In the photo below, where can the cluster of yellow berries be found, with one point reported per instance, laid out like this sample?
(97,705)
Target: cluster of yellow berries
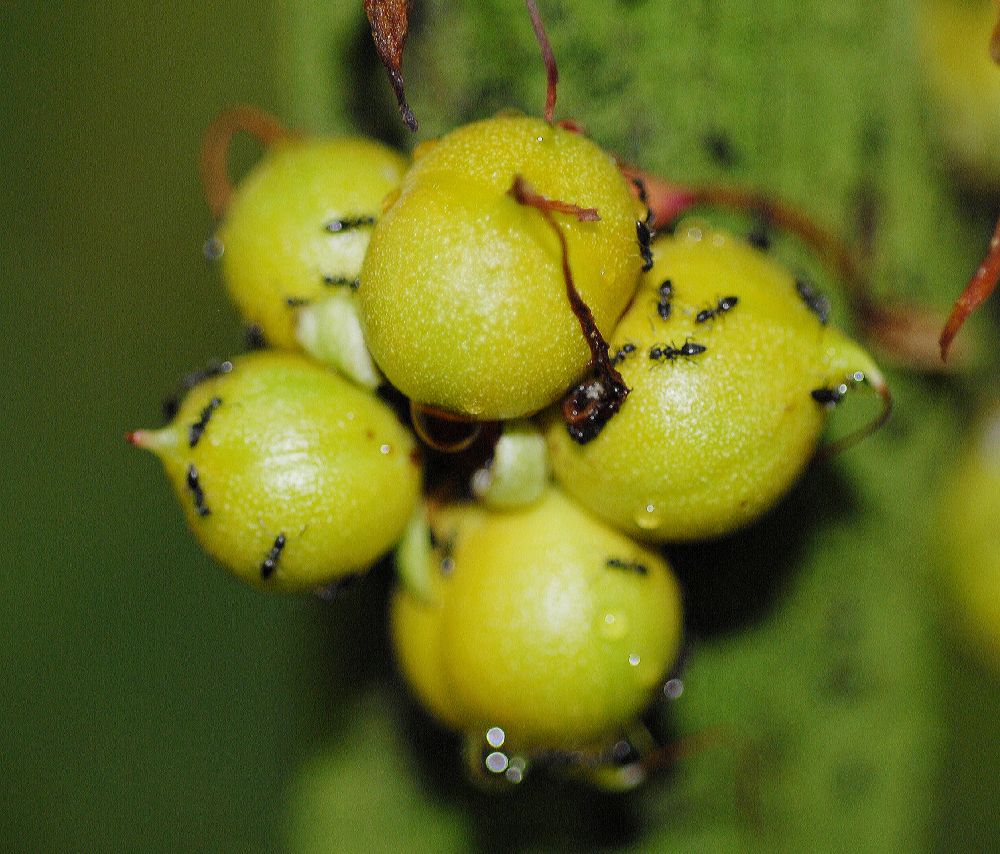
(643,393)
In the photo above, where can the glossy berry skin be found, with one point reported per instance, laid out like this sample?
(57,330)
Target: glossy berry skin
(967,534)
(298,225)
(721,418)
(546,623)
(462,298)
(295,477)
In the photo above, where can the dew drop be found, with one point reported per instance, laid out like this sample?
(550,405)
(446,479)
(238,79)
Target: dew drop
(613,626)
(648,518)
(495,736)
(634,659)
(673,688)
(385,449)
(497,762)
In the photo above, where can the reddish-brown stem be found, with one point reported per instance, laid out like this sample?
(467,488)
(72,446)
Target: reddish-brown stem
(214,161)
(851,439)
(981,285)
(443,431)
(995,40)
(589,405)
(907,332)
(548,57)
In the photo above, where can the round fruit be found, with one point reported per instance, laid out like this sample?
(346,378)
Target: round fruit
(288,475)
(543,627)
(463,298)
(964,83)
(732,368)
(297,228)
(970,518)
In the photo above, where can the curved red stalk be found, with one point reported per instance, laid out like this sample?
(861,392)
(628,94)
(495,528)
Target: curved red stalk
(906,331)
(589,405)
(981,285)
(863,432)
(213,165)
(548,57)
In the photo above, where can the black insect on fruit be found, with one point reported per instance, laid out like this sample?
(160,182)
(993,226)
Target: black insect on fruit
(336,226)
(645,236)
(723,306)
(817,302)
(196,429)
(624,352)
(829,396)
(664,305)
(340,282)
(270,563)
(626,565)
(197,493)
(670,352)
(172,403)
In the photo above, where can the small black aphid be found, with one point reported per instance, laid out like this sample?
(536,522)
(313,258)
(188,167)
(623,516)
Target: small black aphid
(629,565)
(664,306)
(270,563)
(640,187)
(721,307)
(253,337)
(829,396)
(645,236)
(336,226)
(173,403)
(814,299)
(196,429)
(668,352)
(341,282)
(197,493)
(296,302)
(625,351)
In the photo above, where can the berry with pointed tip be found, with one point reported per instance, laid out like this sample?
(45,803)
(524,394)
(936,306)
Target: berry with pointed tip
(722,417)
(290,476)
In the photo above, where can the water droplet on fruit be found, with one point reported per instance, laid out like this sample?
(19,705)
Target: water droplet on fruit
(497,762)
(648,518)
(613,626)
(495,736)
(385,449)
(634,659)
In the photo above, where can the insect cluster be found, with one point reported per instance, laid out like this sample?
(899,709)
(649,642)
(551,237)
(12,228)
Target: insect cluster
(514,305)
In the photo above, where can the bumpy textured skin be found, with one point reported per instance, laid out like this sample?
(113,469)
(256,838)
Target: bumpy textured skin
(295,449)
(964,84)
(705,444)
(533,632)
(970,518)
(275,243)
(462,296)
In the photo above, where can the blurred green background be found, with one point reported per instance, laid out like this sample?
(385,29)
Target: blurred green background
(149,703)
